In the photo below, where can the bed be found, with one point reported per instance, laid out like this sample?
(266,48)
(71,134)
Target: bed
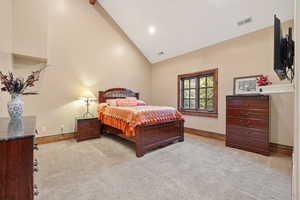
(146,134)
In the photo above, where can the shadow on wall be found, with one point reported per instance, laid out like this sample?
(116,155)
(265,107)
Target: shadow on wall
(111,22)
(279,124)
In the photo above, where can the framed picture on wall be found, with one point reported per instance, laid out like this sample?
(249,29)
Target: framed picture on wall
(245,85)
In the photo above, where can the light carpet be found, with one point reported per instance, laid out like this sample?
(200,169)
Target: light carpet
(197,169)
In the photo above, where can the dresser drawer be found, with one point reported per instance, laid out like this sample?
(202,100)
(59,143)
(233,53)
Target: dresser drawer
(248,123)
(246,133)
(88,124)
(249,144)
(248,113)
(248,103)
(248,139)
(87,129)
(88,133)
(256,148)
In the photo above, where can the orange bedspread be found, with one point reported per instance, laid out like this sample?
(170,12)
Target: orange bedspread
(127,118)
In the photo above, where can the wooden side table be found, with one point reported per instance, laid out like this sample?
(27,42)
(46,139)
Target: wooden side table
(87,128)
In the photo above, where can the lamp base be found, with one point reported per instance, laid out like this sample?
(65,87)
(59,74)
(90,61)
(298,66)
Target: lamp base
(88,115)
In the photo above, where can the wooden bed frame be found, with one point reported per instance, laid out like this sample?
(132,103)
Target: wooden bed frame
(149,136)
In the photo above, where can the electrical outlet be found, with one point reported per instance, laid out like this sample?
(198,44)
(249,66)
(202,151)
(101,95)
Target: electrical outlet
(62,127)
(44,129)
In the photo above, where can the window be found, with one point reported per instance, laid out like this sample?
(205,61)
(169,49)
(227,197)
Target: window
(198,93)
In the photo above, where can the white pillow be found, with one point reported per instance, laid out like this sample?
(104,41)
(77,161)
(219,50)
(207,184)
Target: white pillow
(111,102)
(134,98)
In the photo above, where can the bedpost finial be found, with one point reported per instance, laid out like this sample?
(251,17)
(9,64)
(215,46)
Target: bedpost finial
(93,2)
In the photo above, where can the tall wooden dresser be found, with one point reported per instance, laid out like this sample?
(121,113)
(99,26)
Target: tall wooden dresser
(247,123)
(17,163)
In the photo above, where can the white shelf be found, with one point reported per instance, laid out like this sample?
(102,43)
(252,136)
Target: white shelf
(277,89)
(29,58)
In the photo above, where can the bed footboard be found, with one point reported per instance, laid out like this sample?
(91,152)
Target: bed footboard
(156,135)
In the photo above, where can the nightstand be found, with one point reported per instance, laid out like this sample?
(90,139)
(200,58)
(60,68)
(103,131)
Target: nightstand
(87,128)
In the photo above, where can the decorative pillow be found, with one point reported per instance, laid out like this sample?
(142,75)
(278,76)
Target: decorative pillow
(132,98)
(112,102)
(127,102)
(141,103)
(101,106)
(132,101)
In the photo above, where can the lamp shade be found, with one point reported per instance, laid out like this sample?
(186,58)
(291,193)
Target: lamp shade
(87,95)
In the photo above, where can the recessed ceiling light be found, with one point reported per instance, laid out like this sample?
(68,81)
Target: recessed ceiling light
(151,30)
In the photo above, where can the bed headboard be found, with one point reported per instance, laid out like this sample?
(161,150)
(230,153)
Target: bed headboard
(116,93)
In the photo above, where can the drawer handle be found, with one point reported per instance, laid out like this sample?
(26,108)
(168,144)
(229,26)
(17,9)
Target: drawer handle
(35,190)
(35,163)
(35,147)
(245,123)
(36,169)
(244,113)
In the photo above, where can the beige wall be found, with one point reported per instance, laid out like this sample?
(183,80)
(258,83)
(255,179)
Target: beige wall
(30,27)
(5,34)
(86,51)
(5,44)
(250,54)
(5,31)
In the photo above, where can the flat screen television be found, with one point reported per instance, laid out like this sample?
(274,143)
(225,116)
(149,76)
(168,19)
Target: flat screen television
(283,52)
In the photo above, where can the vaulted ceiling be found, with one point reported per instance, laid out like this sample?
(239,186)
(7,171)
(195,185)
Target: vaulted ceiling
(162,29)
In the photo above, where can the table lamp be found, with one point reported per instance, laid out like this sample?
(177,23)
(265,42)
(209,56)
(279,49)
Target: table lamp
(88,101)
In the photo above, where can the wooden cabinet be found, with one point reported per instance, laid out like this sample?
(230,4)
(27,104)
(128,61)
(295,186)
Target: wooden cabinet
(247,123)
(17,164)
(16,169)
(87,129)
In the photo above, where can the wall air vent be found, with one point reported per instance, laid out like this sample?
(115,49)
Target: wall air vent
(160,53)
(244,21)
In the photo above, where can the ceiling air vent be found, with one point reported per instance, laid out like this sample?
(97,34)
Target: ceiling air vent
(244,21)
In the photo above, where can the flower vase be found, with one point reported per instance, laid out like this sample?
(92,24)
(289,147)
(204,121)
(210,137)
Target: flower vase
(15,107)
(15,127)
